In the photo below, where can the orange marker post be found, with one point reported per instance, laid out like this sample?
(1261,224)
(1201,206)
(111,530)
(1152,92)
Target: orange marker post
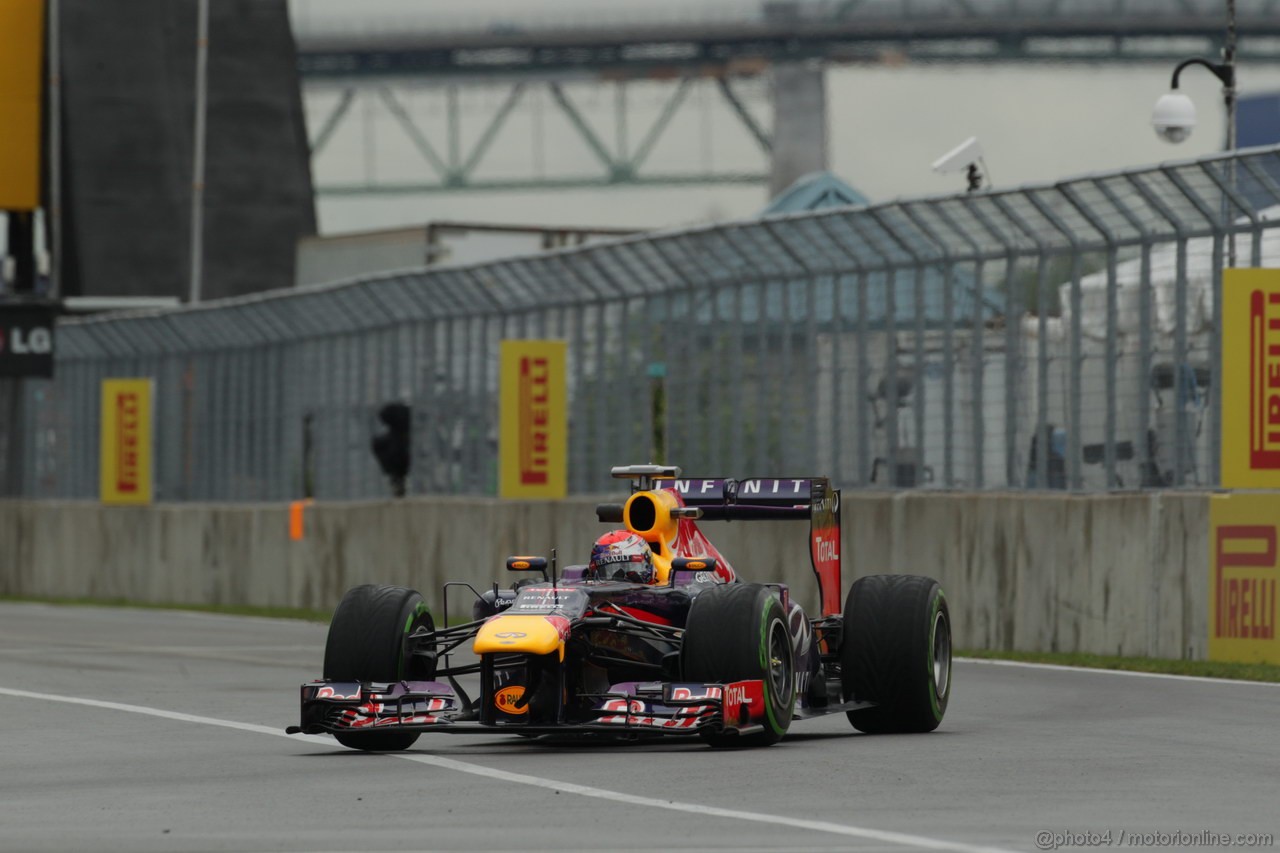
(297,525)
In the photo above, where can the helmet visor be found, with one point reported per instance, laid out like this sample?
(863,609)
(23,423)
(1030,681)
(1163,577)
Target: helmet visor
(636,568)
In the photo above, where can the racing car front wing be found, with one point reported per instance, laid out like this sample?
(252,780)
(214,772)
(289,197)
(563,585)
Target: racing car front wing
(657,708)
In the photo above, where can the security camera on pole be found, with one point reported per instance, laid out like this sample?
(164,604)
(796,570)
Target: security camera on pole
(1174,116)
(966,158)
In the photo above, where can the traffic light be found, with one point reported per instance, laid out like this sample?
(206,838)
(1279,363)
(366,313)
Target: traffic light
(394,447)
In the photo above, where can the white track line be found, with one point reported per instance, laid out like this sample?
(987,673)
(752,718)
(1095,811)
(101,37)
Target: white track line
(1092,669)
(899,838)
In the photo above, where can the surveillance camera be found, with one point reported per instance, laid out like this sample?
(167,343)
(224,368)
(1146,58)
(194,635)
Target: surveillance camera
(1174,117)
(959,158)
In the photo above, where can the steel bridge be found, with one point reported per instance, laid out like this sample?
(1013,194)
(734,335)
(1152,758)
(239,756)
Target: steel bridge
(712,55)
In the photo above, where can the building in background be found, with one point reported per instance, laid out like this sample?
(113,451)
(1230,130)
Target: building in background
(337,257)
(1258,123)
(127,98)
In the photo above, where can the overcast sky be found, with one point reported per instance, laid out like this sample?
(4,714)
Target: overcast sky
(887,125)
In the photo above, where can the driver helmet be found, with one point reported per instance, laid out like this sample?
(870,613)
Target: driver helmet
(621,555)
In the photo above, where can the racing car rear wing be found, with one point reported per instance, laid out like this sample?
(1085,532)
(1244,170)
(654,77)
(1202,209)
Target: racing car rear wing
(763,499)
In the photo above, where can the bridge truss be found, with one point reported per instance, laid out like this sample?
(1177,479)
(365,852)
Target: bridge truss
(471,137)
(709,73)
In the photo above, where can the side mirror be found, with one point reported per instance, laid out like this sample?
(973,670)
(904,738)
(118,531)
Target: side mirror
(609,513)
(691,564)
(528,564)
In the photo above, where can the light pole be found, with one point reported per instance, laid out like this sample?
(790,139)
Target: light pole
(198,152)
(54,149)
(1174,115)
(1173,119)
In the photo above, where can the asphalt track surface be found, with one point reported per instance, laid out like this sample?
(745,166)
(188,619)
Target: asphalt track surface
(139,730)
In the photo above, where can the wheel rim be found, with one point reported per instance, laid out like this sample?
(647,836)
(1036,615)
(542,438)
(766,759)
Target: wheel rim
(941,654)
(779,660)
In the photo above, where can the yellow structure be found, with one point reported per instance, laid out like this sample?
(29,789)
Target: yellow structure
(126,441)
(21,63)
(1244,572)
(1251,379)
(516,632)
(533,417)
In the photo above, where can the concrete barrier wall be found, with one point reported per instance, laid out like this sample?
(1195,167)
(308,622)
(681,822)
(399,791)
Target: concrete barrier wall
(1112,574)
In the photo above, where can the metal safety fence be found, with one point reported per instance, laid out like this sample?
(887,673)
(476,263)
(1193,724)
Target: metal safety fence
(1056,336)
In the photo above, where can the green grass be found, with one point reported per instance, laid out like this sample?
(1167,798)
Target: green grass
(299,613)
(228,609)
(1198,668)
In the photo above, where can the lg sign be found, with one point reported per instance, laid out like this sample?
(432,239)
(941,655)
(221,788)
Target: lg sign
(38,341)
(26,340)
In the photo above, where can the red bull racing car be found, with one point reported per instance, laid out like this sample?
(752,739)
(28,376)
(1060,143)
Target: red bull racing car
(663,640)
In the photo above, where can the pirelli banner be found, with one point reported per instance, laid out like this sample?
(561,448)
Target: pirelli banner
(1251,379)
(126,441)
(534,423)
(1244,572)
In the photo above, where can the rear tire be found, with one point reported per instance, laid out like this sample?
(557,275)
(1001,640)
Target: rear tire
(738,632)
(897,652)
(368,641)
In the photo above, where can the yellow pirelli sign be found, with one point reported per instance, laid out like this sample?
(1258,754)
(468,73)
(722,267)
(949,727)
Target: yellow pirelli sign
(534,423)
(126,441)
(21,63)
(1244,572)
(1251,379)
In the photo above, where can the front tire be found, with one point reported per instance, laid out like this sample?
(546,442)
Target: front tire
(897,652)
(369,641)
(738,632)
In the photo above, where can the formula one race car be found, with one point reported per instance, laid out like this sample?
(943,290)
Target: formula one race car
(687,649)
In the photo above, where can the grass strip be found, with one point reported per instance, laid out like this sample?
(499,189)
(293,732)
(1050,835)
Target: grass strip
(1197,668)
(298,613)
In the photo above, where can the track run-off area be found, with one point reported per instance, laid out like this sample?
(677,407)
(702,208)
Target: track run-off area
(142,730)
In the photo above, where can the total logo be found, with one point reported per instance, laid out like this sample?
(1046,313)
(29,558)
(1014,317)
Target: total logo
(37,341)
(826,548)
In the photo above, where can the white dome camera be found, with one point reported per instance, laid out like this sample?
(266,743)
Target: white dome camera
(1174,117)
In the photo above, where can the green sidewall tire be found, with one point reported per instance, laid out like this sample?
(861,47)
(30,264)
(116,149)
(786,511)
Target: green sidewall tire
(738,632)
(897,652)
(368,641)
